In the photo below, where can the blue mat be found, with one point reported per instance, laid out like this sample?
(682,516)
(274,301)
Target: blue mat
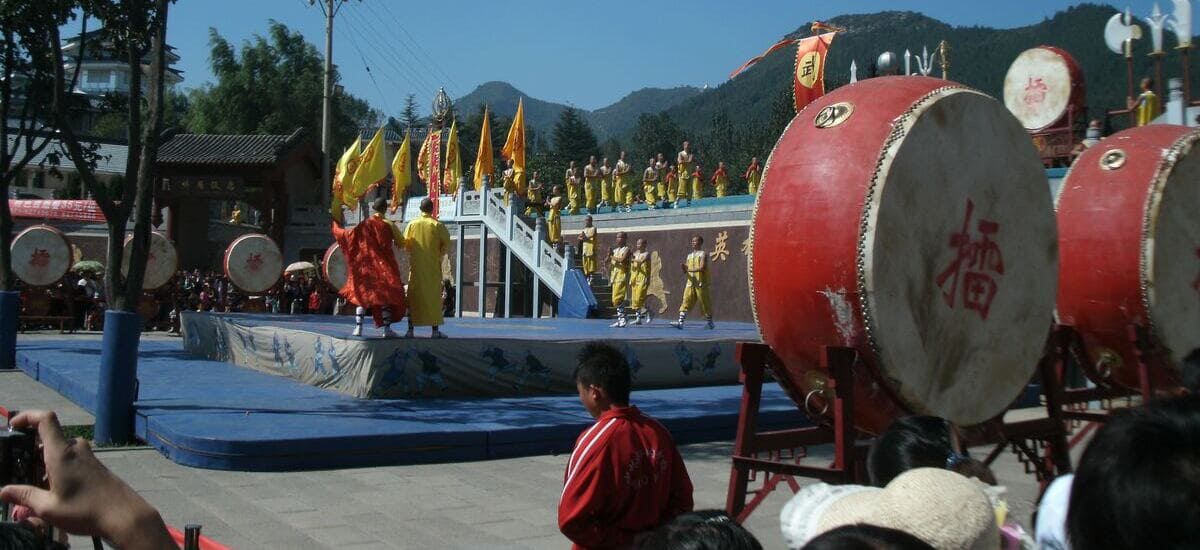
(215,415)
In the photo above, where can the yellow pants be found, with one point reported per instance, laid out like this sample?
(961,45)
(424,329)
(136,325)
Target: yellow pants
(589,191)
(683,191)
(553,228)
(721,189)
(639,295)
(649,190)
(605,191)
(697,189)
(662,190)
(753,187)
(690,294)
(620,289)
(573,199)
(589,264)
(670,192)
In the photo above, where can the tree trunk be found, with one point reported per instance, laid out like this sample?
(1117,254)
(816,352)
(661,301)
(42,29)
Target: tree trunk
(112,273)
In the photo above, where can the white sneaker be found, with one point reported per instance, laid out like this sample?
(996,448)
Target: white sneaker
(677,324)
(617,324)
(637,320)
(357,331)
(386,332)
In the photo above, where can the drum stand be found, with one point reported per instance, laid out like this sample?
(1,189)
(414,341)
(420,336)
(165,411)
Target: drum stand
(777,455)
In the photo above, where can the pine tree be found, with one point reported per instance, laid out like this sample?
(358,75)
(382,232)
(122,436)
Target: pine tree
(409,116)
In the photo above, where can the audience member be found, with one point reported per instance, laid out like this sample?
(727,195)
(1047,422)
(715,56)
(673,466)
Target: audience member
(625,475)
(921,442)
(862,536)
(1138,482)
(699,530)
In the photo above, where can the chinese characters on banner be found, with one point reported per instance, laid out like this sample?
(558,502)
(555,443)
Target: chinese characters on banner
(75,210)
(435,169)
(977,263)
(809,81)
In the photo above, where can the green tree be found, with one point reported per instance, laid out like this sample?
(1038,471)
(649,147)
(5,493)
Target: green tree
(409,117)
(655,134)
(574,138)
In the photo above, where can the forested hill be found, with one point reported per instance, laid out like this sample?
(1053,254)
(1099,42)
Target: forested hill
(979,57)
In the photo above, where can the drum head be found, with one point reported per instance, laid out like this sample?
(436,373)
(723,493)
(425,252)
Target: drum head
(1171,252)
(40,255)
(161,265)
(1038,88)
(958,256)
(253,263)
(334,266)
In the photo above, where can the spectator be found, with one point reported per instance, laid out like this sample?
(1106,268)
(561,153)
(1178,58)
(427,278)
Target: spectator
(866,537)
(1138,483)
(700,530)
(598,506)
(921,442)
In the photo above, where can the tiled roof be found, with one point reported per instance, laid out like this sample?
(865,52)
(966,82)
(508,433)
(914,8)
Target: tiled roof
(227,150)
(112,156)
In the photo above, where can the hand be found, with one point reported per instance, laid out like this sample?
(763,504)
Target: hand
(85,498)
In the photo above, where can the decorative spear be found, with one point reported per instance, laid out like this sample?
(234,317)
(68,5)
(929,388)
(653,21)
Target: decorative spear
(1181,23)
(943,52)
(1157,21)
(853,72)
(907,62)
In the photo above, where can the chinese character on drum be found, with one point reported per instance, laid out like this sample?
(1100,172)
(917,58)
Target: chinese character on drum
(976,263)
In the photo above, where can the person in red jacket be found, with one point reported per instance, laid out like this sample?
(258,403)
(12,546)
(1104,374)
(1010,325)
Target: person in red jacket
(372,274)
(625,475)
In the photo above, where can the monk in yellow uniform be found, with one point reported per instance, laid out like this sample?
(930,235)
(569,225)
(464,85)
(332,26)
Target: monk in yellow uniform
(587,246)
(684,161)
(1146,105)
(621,182)
(573,191)
(426,240)
(684,188)
(753,176)
(535,202)
(649,180)
(697,185)
(696,269)
(720,180)
(554,208)
(660,166)
(591,184)
(671,179)
(618,260)
(605,184)
(639,266)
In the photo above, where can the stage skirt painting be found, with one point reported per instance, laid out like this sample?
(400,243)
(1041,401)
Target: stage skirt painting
(412,368)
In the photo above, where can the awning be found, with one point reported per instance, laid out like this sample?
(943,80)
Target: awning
(74,210)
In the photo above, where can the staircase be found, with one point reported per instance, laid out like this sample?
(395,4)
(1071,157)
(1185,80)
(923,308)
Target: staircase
(602,291)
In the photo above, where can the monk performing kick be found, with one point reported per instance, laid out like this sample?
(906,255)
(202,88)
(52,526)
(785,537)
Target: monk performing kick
(372,275)
(426,240)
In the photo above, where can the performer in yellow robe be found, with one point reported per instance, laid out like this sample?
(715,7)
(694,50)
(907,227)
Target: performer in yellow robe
(1146,104)
(696,269)
(426,240)
(671,179)
(640,281)
(587,241)
(573,191)
(660,166)
(720,179)
(753,176)
(697,185)
(621,183)
(534,202)
(684,161)
(618,260)
(554,216)
(649,177)
(684,185)
(509,181)
(591,184)
(605,184)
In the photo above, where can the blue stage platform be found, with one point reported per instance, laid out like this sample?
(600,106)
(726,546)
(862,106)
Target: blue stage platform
(215,415)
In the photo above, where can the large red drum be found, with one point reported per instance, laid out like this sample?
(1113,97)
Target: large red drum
(1129,239)
(1044,85)
(253,263)
(908,218)
(40,255)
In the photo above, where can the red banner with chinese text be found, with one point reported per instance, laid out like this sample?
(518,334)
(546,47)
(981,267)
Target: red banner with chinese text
(435,169)
(808,82)
(73,210)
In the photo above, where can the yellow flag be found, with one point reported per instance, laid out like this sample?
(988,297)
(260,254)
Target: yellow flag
(514,146)
(401,172)
(483,159)
(372,169)
(345,170)
(423,159)
(453,166)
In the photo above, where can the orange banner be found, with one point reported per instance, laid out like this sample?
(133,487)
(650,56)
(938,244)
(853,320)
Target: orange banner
(808,81)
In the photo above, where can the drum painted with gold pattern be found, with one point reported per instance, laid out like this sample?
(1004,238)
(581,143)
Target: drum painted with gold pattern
(1042,86)
(1129,239)
(161,264)
(41,255)
(253,263)
(906,218)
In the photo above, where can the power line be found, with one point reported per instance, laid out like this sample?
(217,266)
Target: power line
(419,57)
(363,57)
(415,78)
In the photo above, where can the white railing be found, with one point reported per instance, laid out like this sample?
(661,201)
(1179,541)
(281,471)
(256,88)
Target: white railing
(527,244)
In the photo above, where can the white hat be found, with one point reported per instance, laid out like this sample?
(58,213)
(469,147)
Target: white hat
(940,507)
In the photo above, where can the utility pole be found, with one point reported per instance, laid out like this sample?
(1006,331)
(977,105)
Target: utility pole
(327,104)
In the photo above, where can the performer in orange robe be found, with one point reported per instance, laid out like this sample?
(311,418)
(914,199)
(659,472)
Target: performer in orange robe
(372,275)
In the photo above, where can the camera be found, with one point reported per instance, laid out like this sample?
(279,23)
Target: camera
(20,461)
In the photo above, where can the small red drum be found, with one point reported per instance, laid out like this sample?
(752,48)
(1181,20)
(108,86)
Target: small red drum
(161,265)
(334,266)
(253,263)
(907,218)
(41,255)
(1129,242)
(1042,85)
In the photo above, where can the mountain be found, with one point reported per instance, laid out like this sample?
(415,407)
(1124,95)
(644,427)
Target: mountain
(540,116)
(979,57)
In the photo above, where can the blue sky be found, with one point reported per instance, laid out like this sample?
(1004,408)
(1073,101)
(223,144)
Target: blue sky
(588,54)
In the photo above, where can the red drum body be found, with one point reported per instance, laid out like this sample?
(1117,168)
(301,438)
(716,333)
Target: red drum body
(253,263)
(334,267)
(161,265)
(1042,86)
(41,255)
(907,218)
(1129,239)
